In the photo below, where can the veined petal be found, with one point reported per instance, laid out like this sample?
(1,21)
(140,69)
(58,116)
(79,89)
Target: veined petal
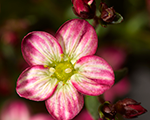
(65,103)
(95,68)
(77,38)
(41,48)
(94,75)
(35,83)
(87,86)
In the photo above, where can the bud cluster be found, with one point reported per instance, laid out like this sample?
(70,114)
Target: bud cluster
(127,107)
(86,9)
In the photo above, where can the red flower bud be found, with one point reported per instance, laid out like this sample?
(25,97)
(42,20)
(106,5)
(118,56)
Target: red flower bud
(108,111)
(129,108)
(107,14)
(84,8)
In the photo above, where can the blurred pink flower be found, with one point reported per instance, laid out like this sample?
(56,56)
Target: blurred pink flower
(116,57)
(118,90)
(148,5)
(18,110)
(5,84)
(11,30)
(63,68)
(84,115)
(41,116)
(10,37)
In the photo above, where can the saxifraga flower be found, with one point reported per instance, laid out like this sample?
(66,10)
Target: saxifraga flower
(63,68)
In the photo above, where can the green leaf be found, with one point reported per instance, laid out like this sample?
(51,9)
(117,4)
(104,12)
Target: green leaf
(118,18)
(102,23)
(119,74)
(92,104)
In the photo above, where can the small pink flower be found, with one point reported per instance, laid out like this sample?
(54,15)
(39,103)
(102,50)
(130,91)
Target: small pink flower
(63,68)
(41,116)
(5,84)
(118,90)
(114,55)
(18,110)
(84,115)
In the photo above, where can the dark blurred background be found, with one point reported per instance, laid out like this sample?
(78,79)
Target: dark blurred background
(131,37)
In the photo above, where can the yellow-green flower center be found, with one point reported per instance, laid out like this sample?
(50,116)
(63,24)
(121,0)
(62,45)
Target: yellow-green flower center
(62,71)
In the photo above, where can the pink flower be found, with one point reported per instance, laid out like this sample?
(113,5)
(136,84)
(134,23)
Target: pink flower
(114,55)
(6,86)
(18,110)
(118,90)
(63,68)
(84,115)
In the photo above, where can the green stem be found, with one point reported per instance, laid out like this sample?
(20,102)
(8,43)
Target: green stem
(95,22)
(101,99)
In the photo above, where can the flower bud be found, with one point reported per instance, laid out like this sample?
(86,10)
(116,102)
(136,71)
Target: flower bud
(129,108)
(107,111)
(107,14)
(84,8)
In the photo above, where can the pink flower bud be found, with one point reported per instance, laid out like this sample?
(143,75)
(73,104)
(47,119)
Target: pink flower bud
(84,8)
(129,108)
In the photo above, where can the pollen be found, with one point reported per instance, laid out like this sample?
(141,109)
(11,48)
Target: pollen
(52,70)
(90,2)
(63,71)
(68,70)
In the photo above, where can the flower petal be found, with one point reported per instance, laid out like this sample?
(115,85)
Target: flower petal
(95,68)
(41,48)
(36,83)
(65,103)
(87,86)
(94,75)
(77,38)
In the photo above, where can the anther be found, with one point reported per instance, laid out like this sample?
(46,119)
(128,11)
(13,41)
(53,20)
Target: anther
(52,70)
(68,70)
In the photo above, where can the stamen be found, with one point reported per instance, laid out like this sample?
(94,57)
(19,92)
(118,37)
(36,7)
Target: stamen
(90,2)
(68,70)
(45,66)
(52,70)
(62,57)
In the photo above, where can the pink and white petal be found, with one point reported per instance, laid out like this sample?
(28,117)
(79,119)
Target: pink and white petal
(41,116)
(65,103)
(40,48)
(77,38)
(36,83)
(96,69)
(14,110)
(87,86)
